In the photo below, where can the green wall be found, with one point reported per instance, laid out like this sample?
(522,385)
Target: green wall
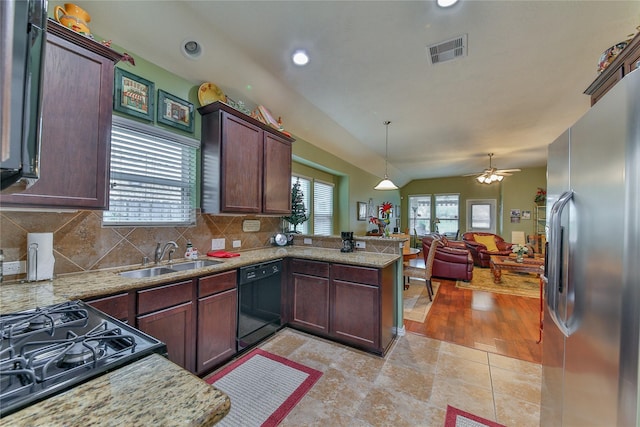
(514,192)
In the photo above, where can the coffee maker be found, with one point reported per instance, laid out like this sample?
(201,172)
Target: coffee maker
(347,241)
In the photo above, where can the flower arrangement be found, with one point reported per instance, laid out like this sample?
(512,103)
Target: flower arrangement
(519,250)
(541,195)
(383,222)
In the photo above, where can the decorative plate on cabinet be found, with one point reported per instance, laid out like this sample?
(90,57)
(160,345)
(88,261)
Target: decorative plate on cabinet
(208,93)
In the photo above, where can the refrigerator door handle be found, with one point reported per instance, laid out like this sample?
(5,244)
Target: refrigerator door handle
(553,272)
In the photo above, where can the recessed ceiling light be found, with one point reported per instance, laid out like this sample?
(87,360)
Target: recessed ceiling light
(446,3)
(300,57)
(191,49)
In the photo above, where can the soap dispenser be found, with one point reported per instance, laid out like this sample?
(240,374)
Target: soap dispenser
(189,251)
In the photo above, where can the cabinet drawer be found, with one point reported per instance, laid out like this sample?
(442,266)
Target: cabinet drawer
(210,285)
(116,305)
(312,268)
(351,273)
(164,296)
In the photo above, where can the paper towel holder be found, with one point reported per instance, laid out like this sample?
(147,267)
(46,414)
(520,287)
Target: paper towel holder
(32,263)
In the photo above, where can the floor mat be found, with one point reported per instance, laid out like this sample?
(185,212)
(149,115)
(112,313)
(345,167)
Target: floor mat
(458,418)
(263,388)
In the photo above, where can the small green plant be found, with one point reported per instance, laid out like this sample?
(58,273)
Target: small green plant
(298,210)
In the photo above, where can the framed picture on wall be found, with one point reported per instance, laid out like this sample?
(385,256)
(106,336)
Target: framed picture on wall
(133,95)
(175,112)
(362,211)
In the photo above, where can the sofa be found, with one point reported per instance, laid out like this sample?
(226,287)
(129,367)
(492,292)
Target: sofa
(477,243)
(452,259)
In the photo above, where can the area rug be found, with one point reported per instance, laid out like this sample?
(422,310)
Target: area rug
(416,304)
(522,284)
(457,418)
(263,388)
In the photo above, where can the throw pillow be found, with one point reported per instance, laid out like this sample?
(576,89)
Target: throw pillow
(488,241)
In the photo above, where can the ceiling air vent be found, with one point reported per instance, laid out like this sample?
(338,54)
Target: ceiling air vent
(448,50)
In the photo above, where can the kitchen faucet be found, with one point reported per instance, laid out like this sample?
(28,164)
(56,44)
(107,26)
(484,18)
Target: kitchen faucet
(160,250)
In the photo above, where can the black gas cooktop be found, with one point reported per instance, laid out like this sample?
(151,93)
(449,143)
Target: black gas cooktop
(47,350)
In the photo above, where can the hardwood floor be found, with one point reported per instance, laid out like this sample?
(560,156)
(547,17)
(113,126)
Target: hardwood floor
(496,323)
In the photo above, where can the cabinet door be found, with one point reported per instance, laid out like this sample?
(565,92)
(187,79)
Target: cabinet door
(216,329)
(277,175)
(174,327)
(310,302)
(76,130)
(241,166)
(356,313)
(116,306)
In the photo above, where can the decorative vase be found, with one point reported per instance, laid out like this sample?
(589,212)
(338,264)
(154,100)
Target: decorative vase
(73,17)
(519,257)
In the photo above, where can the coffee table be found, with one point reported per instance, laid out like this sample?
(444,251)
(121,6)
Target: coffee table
(499,264)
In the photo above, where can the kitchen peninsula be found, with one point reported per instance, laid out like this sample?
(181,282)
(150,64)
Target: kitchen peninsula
(139,390)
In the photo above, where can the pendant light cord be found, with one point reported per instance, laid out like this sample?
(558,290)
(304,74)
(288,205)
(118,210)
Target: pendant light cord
(386,149)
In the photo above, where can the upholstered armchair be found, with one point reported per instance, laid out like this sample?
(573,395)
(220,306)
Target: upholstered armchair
(483,245)
(452,259)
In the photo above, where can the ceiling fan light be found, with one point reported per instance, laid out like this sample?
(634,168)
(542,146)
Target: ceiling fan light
(480,179)
(500,177)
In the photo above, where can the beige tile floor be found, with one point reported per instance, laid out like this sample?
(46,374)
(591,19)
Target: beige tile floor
(411,385)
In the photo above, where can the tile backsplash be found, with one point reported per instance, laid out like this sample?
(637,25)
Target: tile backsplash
(81,243)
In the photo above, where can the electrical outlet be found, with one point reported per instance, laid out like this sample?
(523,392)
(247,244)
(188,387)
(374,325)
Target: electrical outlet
(308,241)
(13,268)
(360,245)
(217,244)
(237,243)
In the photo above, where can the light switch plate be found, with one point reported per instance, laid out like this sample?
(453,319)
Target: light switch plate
(308,241)
(217,244)
(360,245)
(237,243)
(13,267)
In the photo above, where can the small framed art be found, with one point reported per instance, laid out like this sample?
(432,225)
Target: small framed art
(363,208)
(134,95)
(175,112)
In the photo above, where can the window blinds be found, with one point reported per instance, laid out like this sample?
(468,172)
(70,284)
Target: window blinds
(322,208)
(153,176)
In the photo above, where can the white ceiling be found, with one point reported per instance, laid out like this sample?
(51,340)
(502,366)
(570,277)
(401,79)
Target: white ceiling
(518,88)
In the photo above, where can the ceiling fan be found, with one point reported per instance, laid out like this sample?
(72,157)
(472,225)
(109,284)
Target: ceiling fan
(492,174)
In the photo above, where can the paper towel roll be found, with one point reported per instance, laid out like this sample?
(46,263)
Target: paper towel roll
(40,267)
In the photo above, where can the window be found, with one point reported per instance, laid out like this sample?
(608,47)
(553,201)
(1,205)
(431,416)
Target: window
(322,208)
(319,204)
(447,211)
(481,215)
(153,176)
(305,187)
(420,214)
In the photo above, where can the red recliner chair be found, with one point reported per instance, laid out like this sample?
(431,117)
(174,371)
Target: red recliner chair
(479,251)
(452,260)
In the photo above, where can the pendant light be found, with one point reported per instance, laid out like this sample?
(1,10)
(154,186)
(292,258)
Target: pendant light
(386,183)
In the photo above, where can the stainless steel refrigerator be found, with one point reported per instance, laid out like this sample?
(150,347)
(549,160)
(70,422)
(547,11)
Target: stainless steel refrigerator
(592,272)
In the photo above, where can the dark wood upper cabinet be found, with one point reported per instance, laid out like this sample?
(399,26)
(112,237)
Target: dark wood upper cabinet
(246,165)
(77,103)
(625,62)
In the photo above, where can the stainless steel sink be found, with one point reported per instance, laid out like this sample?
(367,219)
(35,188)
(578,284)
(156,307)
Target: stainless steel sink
(192,265)
(147,272)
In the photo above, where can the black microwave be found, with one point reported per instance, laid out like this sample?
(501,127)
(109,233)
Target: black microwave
(23,37)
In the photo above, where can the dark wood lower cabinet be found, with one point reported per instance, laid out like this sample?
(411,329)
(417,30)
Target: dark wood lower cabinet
(167,313)
(217,320)
(116,306)
(174,327)
(310,302)
(356,313)
(347,303)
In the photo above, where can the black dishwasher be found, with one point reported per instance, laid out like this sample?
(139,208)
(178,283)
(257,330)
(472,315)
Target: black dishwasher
(260,296)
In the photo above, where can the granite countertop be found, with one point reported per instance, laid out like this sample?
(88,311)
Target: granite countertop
(22,296)
(150,392)
(137,394)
